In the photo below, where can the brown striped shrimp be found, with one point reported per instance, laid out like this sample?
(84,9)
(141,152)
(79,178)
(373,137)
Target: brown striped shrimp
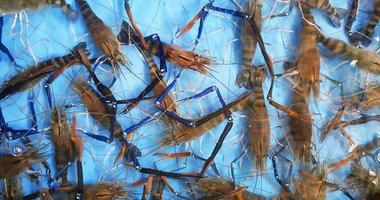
(308,59)
(102,34)
(33,75)
(356,154)
(100,111)
(221,188)
(364,101)
(185,133)
(249,42)
(365,181)
(60,135)
(366,60)
(300,131)
(258,127)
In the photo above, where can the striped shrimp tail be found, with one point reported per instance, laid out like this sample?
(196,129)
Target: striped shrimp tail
(88,15)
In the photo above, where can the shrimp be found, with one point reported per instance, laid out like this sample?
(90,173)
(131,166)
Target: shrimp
(308,59)
(101,112)
(60,137)
(185,133)
(366,60)
(11,166)
(221,188)
(154,186)
(365,182)
(104,191)
(172,53)
(300,131)
(258,126)
(364,101)
(15,6)
(312,184)
(98,191)
(33,75)
(102,34)
(358,152)
(335,14)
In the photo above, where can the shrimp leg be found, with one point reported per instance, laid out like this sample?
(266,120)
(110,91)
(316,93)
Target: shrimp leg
(13,134)
(77,144)
(3,48)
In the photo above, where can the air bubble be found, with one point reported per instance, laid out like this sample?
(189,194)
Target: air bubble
(377,157)
(17,151)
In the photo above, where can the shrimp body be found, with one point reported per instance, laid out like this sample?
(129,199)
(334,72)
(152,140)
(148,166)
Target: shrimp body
(300,131)
(312,185)
(365,60)
(364,101)
(220,188)
(102,34)
(249,42)
(258,119)
(184,133)
(33,75)
(98,191)
(181,57)
(60,136)
(98,109)
(308,59)
(364,181)
(104,191)
(15,6)
(102,112)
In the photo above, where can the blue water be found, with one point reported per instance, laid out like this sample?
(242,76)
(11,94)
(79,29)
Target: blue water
(36,36)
